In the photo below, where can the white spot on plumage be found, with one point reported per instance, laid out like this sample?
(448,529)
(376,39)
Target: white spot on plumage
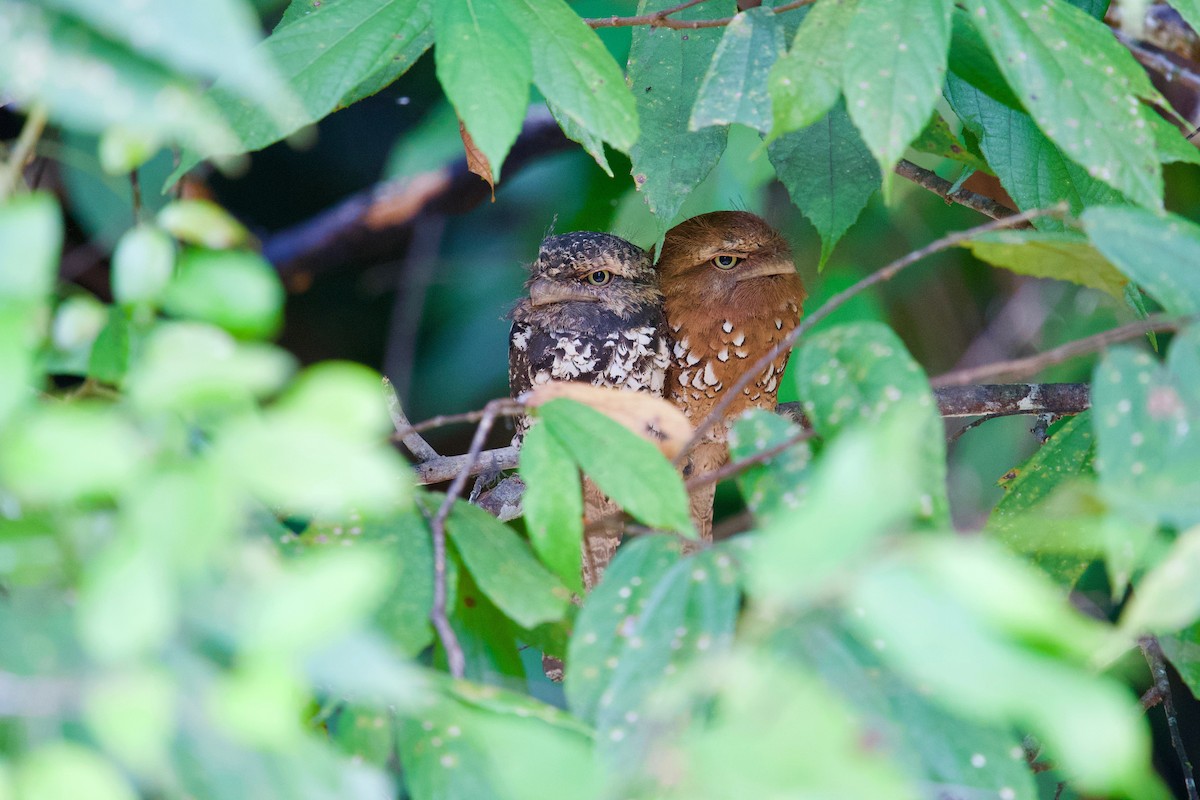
(740,339)
(723,354)
(710,377)
(727,326)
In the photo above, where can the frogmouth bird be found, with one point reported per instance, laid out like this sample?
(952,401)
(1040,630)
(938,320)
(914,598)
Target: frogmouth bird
(731,294)
(594,314)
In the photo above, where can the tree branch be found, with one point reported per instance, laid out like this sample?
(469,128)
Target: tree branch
(941,187)
(22,151)
(1162,686)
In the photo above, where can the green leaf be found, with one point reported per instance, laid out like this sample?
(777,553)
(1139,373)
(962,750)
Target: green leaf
(134,93)
(894,70)
(1168,597)
(142,265)
(132,714)
(735,86)
(202,222)
(937,139)
(31,227)
(61,769)
(1031,168)
(1081,86)
(776,486)
(1183,651)
(829,174)
(626,467)
(575,72)
(485,66)
(553,505)
(806,82)
(666,68)
(1066,256)
(128,606)
(237,290)
(1155,251)
(504,568)
(972,63)
(858,374)
(593,145)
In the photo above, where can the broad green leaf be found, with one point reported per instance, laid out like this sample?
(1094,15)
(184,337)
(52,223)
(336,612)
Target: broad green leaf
(893,72)
(490,641)
(828,172)
(1168,597)
(1063,255)
(329,57)
(1183,651)
(237,290)
(629,582)
(88,82)
(860,373)
(661,624)
(484,65)
(806,82)
(1081,86)
(553,505)
(1031,168)
(504,567)
(31,228)
(592,144)
(941,751)
(364,732)
(1155,251)
(1148,443)
(142,265)
(937,139)
(735,86)
(665,70)
(997,657)
(61,769)
(776,486)
(626,467)
(576,74)
(971,62)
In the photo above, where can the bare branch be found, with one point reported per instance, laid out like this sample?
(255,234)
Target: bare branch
(444,468)
(1157,662)
(413,440)
(941,187)
(22,151)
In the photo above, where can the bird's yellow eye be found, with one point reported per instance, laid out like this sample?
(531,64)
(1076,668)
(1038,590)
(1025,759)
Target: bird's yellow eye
(725,262)
(600,277)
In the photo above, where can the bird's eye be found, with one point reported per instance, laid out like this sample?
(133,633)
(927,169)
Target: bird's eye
(600,277)
(725,262)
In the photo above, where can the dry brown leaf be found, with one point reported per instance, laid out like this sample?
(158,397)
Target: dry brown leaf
(650,417)
(477,162)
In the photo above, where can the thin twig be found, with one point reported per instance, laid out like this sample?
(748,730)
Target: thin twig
(135,188)
(415,443)
(22,151)
(838,300)
(927,179)
(1157,662)
(1031,365)
(437,526)
(737,467)
(504,407)
(662,19)
(975,423)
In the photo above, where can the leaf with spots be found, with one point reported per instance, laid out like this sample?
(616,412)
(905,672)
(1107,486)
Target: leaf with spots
(626,467)
(504,568)
(1168,596)
(665,70)
(1031,168)
(893,72)
(859,374)
(806,82)
(553,504)
(1081,86)
(828,172)
(774,487)
(1156,251)
(735,86)
(1063,255)
(364,733)
(485,66)
(1147,421)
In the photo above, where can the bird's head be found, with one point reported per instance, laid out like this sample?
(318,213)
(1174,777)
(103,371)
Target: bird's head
(589,267)
(729,258)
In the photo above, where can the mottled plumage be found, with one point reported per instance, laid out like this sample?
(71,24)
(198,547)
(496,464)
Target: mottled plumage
(593,315)
(731,293)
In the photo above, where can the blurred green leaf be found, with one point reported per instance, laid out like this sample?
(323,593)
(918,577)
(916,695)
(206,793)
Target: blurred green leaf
(1153,250)
(202,222)
(61,770)
(484,65)
(893,72)
(128,606)
(735,85)
(777,486)
(861,373)
(109,358)
(432,143)
(142,265)
(1049,254)
(575,72)
(132,713)
(365,733)
(626,467)
(553,505)
(259,703)
(1168,596)
(1081,86)
(829,174)
(341,396)
(237,290)
(31,227)
(665,70)
(504,567)
(806,83)
(184,515)
(1011,142)
(1182,649)
(77,322)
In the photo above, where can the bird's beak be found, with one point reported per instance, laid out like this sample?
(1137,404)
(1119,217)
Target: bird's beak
(544,291)
(764,268)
